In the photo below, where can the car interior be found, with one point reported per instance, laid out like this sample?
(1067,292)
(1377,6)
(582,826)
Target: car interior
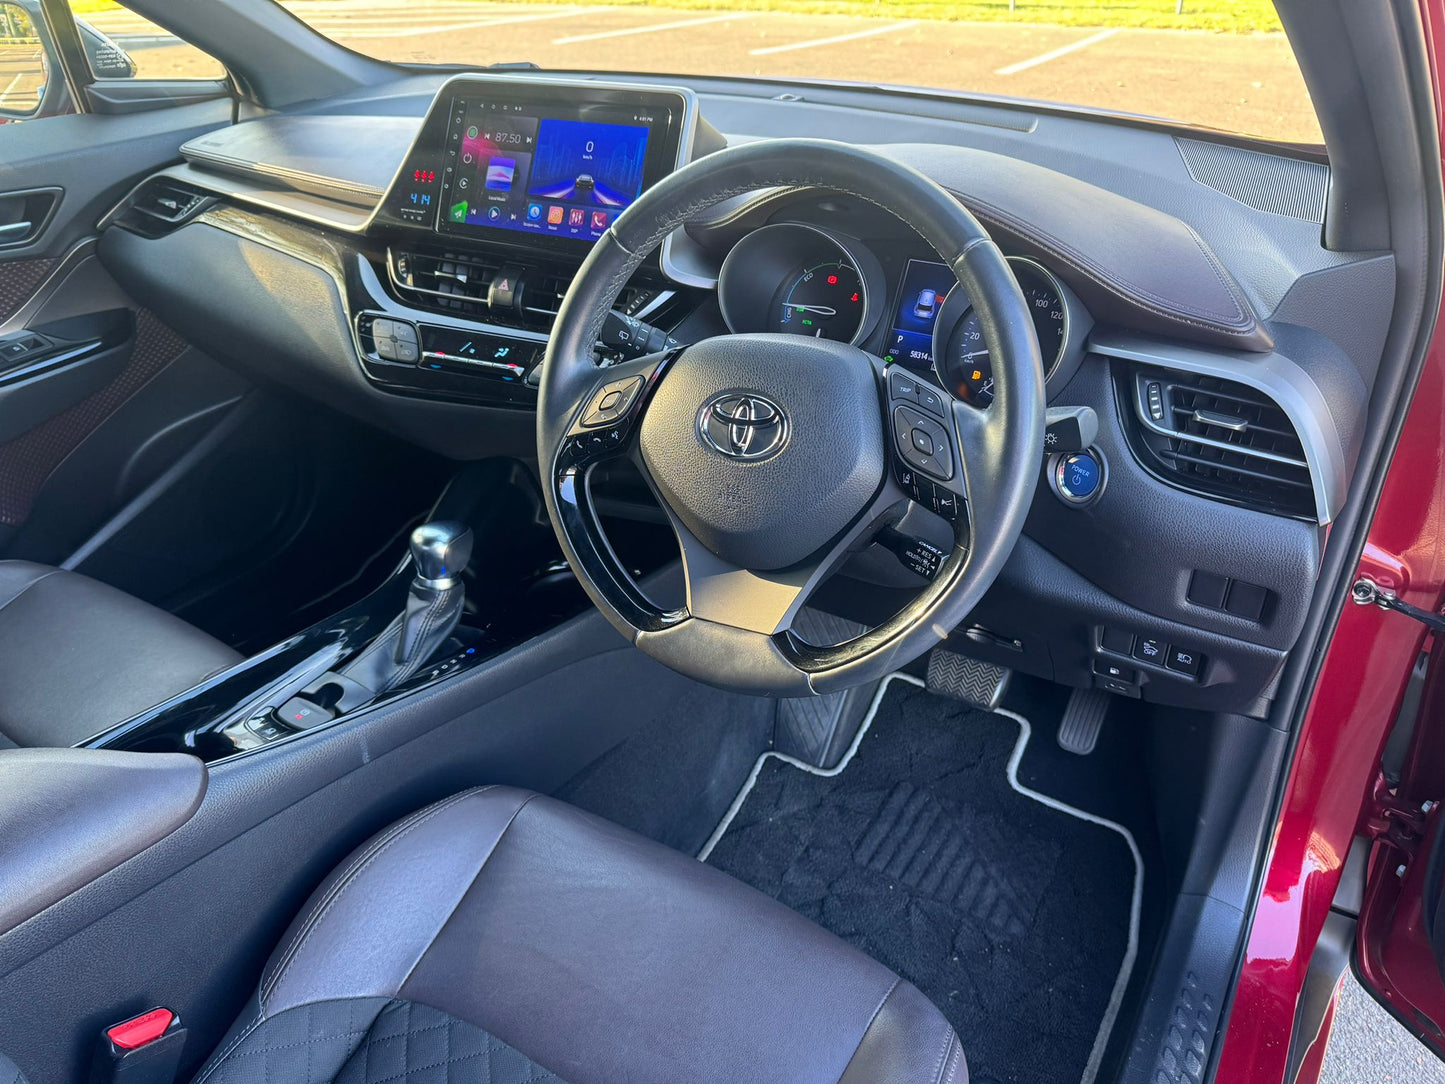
(765,581)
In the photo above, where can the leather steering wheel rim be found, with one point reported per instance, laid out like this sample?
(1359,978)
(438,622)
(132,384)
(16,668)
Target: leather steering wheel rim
(999,448)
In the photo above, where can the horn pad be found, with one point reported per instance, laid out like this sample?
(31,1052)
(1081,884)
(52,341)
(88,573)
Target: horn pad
(766,446)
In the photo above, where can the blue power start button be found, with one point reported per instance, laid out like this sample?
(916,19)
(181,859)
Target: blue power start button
(1078,477)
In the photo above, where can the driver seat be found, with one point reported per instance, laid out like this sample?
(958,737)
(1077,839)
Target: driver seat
(500,936)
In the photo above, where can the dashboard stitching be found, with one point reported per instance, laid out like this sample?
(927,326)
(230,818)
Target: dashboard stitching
(1124,290)
(1242,325)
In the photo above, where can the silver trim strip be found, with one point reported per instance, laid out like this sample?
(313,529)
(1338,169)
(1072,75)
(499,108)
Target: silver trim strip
(78,253)
(474,363)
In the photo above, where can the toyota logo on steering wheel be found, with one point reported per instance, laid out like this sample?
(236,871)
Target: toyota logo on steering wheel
(743,425)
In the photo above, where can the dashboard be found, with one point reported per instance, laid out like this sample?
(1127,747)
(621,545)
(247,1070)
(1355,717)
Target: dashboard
(400,255)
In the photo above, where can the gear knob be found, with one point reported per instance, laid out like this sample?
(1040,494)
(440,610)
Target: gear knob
(441,552)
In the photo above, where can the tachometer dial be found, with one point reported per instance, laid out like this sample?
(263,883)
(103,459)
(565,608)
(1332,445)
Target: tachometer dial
(824,301)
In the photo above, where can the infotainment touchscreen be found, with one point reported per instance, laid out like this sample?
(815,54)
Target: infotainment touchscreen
(559,164)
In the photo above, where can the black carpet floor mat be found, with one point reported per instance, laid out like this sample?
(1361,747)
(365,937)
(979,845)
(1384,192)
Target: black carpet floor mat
(1012,916)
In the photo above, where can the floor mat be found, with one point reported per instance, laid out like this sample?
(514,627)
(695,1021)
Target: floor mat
(1015,914)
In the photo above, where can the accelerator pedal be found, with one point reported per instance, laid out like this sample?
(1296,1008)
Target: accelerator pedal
(1082,721)
(981,684)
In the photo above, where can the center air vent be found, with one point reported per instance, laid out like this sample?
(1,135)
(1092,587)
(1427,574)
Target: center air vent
(1222,439)
(487,287)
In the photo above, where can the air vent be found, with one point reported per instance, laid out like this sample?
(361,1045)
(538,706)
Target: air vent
(448,282)
(162,204)
(461,283)
(168,201)
(1222,439)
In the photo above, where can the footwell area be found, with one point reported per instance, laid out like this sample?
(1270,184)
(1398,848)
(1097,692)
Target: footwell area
(1017,915)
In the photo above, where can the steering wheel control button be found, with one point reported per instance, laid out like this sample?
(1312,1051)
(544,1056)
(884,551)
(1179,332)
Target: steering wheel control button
(922,442)
(946,503)
(611,401)
(1077,477)
(1183,660)
(598,442)
(1147,649)
(931,401)
(902,386)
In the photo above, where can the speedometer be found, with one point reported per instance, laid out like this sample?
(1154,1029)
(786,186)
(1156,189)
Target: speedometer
(824,301)
(964,362)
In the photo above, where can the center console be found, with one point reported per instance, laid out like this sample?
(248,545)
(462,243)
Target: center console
(506,187)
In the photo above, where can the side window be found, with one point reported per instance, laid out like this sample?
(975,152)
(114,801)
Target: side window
(24,68)
(123,45)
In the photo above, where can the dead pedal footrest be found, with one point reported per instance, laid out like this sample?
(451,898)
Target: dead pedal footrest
(981,684)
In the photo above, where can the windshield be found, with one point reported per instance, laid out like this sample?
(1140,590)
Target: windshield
(1217,63)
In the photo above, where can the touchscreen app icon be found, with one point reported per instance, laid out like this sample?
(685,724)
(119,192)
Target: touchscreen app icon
(534,212)
(500,172)
(599,220)
(459,211)
(554,215)
(576,216)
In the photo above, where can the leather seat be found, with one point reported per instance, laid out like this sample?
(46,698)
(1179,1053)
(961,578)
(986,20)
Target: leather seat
(500,936)
(77,657)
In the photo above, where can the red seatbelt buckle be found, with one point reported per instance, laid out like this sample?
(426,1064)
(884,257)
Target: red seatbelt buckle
(145,1049)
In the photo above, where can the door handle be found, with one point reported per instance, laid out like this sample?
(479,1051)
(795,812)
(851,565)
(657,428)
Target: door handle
(25,214)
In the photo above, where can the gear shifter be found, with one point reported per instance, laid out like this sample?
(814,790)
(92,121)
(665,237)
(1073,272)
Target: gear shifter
(440,552)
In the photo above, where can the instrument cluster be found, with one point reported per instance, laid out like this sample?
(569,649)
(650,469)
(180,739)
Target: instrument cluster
(802,279)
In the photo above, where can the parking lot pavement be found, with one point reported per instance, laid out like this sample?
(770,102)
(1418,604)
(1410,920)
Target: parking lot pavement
(1236,82)
(1367,1046)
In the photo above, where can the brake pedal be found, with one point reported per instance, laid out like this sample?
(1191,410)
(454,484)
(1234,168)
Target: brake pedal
(1082,721)
(981,684)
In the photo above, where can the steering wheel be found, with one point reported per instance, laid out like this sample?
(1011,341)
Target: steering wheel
(777,456)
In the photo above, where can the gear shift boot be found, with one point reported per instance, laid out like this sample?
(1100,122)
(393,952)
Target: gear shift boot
(433,608)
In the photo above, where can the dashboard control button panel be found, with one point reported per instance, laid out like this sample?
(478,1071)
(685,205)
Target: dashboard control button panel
(450,362)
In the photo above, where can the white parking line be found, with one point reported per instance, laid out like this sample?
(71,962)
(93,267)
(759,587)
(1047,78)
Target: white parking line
(1054,54)
(627,31)
(834,40)
(420,31)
